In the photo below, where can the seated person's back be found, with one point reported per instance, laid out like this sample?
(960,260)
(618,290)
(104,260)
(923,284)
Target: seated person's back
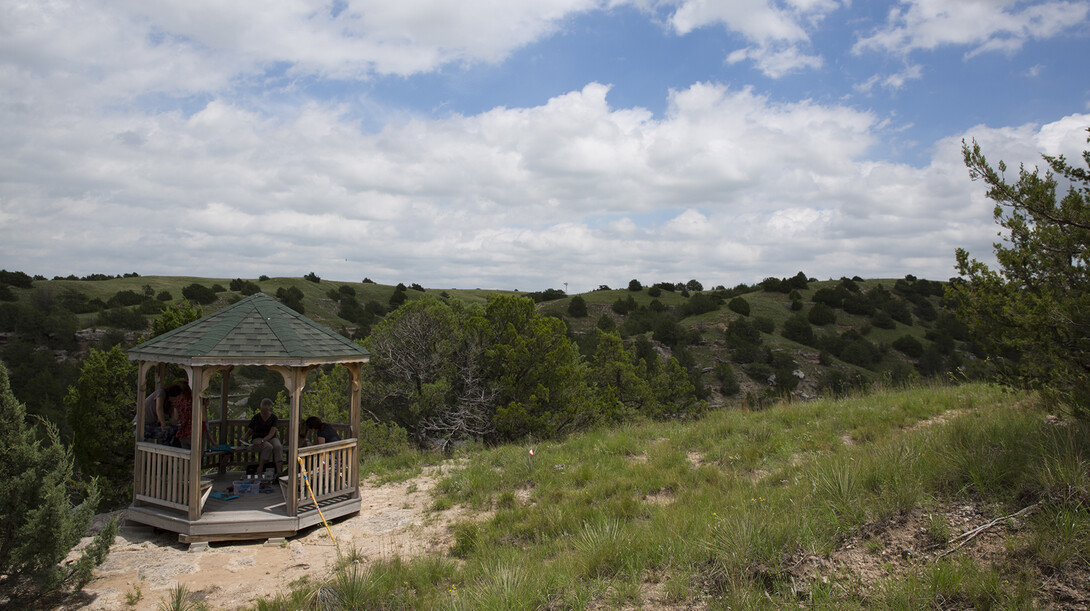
(325,431)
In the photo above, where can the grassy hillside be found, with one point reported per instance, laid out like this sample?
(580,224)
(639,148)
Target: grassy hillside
(942,497)
(316,301)
(772,366)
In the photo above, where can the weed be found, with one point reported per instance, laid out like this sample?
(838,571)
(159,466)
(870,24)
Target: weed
(133,597)
(938,528)
(180,599)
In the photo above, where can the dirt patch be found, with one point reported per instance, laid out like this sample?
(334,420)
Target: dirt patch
(893,548)
(394,520)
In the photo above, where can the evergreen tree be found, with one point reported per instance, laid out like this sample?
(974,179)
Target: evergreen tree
(100,408)
(38,524)
(1036,307)
(577,307)
(537,371)
(619,379)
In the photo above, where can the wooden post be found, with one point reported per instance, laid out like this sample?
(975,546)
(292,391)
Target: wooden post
(225,380)
(142,369)
(355,371)
(196,383)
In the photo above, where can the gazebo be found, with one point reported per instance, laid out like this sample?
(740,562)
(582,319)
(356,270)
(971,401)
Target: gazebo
(173,487)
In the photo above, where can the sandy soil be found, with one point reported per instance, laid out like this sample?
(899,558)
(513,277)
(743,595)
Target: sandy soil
(394,520)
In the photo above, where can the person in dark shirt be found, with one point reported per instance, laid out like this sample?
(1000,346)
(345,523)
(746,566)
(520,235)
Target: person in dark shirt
(324,431)
(262,429)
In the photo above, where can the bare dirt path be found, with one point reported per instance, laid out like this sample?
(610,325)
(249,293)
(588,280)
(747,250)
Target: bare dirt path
(394,520)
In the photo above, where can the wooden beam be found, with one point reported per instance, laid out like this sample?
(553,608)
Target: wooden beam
(193,478)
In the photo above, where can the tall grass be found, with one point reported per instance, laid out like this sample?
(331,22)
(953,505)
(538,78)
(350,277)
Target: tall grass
(722,509)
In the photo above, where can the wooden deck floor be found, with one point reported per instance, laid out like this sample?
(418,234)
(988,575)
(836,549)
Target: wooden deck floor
(250,516)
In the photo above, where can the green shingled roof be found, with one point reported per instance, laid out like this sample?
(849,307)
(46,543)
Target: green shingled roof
(255,331)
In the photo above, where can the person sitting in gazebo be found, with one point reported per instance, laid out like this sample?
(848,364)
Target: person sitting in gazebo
(324,432)
(262,428)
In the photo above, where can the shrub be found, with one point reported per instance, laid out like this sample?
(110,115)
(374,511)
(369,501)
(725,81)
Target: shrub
(312,277)
(654,291)
(378,439)
(700,303)
(764,324)
(577,307)
(883,320)
(164,296)
(898,310)
(724,374)
(634,285)
(124,298)
(199,294)
(606,323)
(821,314)
(909,346)
(739,305)
(38,524)
(797,328)
(122,318)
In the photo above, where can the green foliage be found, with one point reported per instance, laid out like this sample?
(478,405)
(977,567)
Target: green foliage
(17,279)
(382,439)
(246,287)
(174,315)
(908,345)
(398,297)
(199,293)
(291,297)
(577,307)
(797,329)
(425,372)
(728,384)
(619,378)
(700,303)
(821,314)
(124,298)
(100,408)
(537,374)
(739,305)
(898,310)
(38,524)
(1036,306)
(883,320)
(312,277)
(764,324)
(546,295)
(634,285)
(326,396)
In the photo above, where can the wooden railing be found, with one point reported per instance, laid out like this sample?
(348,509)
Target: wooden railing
(162,475)
(237,429)
(331,469)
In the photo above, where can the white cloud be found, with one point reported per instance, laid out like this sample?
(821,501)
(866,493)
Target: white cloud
(892,82)
(776,63)
(984,25)
(129,144)
(728,186)
(778,31)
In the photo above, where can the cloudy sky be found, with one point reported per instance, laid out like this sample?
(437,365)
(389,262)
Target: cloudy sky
(522,144)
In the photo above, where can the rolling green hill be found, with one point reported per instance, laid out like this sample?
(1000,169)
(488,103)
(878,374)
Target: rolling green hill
(898,330)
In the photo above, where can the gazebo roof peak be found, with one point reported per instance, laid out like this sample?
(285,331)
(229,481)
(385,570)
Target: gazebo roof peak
(257,330)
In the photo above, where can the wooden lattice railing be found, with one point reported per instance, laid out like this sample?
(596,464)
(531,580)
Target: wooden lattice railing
(331,469)
(162,475)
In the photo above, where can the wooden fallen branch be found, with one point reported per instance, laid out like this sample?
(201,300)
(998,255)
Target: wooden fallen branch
(969,535)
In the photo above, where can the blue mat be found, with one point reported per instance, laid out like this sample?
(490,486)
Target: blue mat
(223,496)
